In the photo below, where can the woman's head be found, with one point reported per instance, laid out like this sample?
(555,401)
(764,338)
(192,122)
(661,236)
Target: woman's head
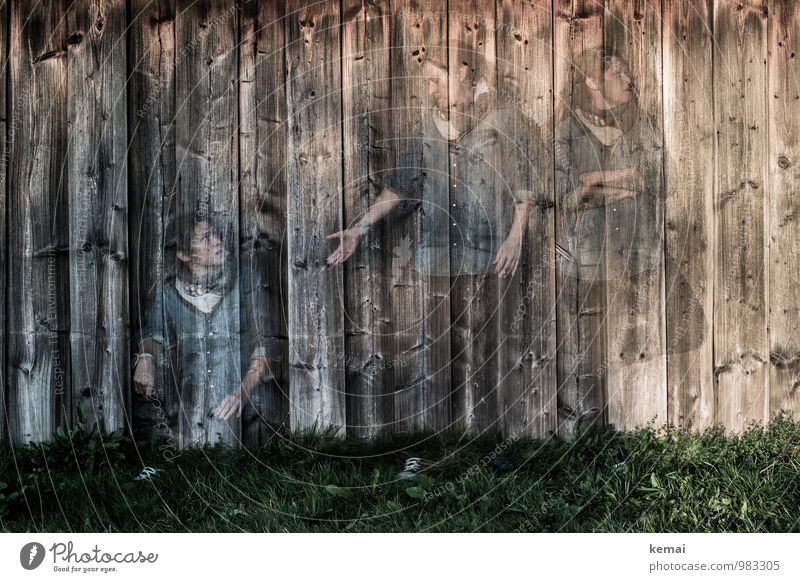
(453,86)
(204,248)
(437,83)
(604,80)
(200,243)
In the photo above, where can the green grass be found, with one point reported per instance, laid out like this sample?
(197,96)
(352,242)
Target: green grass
(644,481)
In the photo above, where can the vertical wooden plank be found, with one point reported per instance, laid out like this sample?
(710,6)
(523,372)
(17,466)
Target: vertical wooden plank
(527,380)
(4,159)
(784,207)
(151,180)
(262,136)
(689,144)
(366,123)
(420,306)
(435,303)
(208,177)
(314,178)
(471,39)
(637,383)
(40,392)
(97,190)
(580,331)
(740,111)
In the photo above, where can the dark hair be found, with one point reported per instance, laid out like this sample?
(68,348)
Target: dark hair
(463,55)
(185,224)
(591,63)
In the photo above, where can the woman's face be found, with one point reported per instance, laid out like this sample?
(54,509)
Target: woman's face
(617,86)
(445,90)
(437,84)
(207,249)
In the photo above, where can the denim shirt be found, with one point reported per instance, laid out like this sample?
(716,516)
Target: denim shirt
(465,189)
(622,236)
(211,351)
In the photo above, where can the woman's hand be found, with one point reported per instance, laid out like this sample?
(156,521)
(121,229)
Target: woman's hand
(231,404)
(507,258)
(348,242)
(144,377)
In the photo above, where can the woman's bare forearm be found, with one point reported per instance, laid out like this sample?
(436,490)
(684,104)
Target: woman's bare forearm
(520,222)
(607,176)
(256,372)
(383,205)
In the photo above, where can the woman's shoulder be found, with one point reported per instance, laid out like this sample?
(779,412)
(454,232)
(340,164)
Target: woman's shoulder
(569,123)
(514,123)
(159,289)
(508,112)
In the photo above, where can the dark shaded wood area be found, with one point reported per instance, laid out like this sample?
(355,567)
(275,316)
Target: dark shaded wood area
(279,123)
(4,160)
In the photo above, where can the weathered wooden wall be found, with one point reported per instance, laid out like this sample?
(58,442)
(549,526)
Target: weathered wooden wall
(40,390)
(4,159)
(286,116)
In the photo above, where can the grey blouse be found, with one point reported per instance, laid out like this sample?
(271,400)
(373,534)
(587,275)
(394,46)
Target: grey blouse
(465,189)
(622,236)
(211,351)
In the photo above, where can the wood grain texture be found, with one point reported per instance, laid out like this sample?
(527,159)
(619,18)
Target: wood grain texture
(784,209)
(151,195)
(689,144)
(635,294)
(97,191)
(420,306)
(527,380)
(115,115)
(314,178)
(5,157)
(475,356)
(366,88)
(740,112)
(207,159)
(580,307)
(38,303)
(263,200)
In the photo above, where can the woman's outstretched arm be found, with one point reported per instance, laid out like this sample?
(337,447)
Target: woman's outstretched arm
(349,238)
